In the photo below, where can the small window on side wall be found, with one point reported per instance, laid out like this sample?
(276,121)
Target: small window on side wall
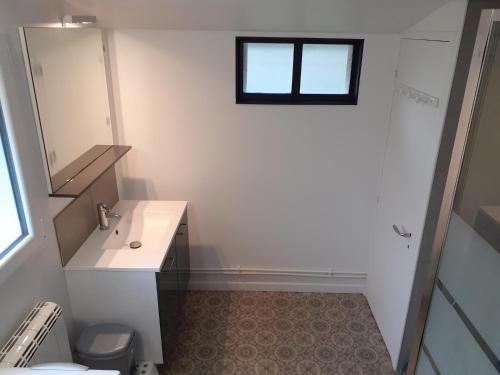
(12,218)
(297,70)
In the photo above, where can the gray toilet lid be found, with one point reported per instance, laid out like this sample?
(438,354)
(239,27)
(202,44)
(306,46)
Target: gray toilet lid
(104,340)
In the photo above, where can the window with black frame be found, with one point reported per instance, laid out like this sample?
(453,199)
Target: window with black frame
(298,70)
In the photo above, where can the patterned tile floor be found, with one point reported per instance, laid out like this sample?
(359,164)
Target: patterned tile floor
(278,333)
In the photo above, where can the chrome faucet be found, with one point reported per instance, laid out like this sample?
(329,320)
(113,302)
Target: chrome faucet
(104,213)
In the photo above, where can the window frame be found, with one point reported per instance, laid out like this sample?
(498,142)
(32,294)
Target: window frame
(295,97)
(14,183)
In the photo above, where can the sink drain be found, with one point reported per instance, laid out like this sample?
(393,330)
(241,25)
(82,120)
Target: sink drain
(135,244)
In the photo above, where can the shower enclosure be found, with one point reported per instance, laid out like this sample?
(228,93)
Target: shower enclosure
(460,317)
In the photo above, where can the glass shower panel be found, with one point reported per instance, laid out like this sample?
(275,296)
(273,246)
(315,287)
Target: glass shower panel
(462,334)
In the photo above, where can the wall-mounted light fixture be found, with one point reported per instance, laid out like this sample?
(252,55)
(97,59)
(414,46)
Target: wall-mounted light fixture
(76,21)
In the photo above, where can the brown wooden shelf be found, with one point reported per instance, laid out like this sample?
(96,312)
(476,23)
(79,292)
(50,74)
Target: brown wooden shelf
(74,187)
(72,169)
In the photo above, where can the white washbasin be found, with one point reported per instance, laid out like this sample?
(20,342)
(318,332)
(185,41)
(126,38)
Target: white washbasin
(146,227)
(153,223)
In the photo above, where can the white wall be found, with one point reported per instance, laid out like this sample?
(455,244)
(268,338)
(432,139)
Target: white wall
(269,187)
(34,273)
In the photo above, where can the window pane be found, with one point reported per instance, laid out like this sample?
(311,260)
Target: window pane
(9,218)
(326,69)
(268,68)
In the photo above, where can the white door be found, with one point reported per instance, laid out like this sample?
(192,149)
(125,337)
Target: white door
(412,146)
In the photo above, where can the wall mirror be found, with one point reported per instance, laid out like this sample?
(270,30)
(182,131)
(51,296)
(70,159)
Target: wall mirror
(66,71)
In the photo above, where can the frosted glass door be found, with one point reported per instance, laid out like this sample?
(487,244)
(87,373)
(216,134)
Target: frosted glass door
(462,334)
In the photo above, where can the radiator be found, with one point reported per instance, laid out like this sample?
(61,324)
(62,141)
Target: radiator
(41,337)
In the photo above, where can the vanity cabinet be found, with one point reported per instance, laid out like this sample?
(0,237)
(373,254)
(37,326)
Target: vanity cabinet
(182,249)
(142,288)
(171,285)
(169,301)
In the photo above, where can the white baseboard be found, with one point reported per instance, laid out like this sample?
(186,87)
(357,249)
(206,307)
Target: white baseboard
(277,280)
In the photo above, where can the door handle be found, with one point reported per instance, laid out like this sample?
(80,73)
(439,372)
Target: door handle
(171,264)
(402,234)
(169,268)
(182,229)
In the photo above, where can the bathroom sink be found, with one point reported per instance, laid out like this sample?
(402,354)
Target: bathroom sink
(146,228)
(152,223)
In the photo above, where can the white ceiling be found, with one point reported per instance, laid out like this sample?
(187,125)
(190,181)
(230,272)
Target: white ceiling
(341,16)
